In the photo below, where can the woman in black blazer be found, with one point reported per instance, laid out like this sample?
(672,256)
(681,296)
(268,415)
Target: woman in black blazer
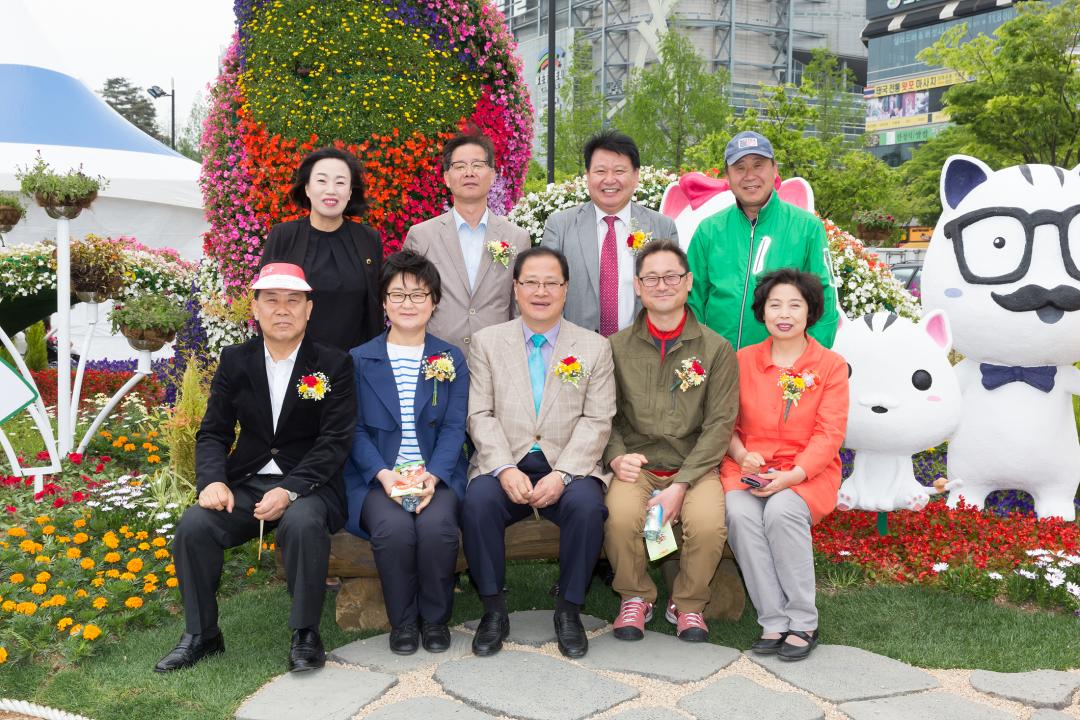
(340,258)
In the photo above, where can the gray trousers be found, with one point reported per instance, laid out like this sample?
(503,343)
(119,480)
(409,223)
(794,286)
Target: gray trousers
(771,541)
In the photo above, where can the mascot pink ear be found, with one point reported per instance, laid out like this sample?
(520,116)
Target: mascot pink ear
(936,325)
(795,191)
(675,200)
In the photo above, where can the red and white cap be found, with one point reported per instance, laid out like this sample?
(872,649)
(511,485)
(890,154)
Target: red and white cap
(281,276)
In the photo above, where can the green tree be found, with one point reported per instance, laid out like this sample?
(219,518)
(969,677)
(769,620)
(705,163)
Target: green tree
(579,116)
(921,175)
(133,103)
(827,84)
(674,103)
(1024,97)
(189,140)
(858,181)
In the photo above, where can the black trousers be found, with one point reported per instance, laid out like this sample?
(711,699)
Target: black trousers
(415,554)
(580,514)
(203,535)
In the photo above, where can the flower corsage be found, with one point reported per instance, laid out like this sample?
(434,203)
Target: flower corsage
(313,386)
(689,374)
(638,237)
(502,252)
(570,370)
(793,386)
(439,368)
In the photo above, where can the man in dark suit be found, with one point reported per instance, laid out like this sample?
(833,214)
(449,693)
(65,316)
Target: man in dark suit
(295,402)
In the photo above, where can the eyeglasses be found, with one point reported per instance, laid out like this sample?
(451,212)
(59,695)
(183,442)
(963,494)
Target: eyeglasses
(993,246)
(477,166)
(417,297)
(534,285)
(671,280)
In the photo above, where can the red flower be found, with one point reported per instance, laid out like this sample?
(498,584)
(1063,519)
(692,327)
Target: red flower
(569,360)
(433,358)
(43,455)
(78,496)
(75,458)
(697,368)
(59,503)
(104,459)
(310,380)
(10,508)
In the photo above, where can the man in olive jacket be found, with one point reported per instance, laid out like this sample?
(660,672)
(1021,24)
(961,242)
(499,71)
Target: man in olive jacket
(677,398)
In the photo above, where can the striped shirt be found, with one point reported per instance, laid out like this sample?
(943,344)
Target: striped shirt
(405,362)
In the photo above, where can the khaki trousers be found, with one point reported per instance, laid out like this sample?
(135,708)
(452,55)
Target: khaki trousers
(701,544)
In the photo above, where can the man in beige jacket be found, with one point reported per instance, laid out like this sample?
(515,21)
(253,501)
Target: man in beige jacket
(472,247)
(541,399)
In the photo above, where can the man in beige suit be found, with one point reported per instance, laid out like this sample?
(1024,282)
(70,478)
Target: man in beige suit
(541,399)
(466,245)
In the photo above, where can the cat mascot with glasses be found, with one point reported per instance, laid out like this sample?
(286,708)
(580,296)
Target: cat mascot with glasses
(1004,264)
(405,476)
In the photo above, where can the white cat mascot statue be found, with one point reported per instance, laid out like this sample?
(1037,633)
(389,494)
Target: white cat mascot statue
(1004,264)
(905,398)
(696,196)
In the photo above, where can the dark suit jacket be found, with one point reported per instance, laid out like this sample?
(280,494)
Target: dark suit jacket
(440,426)
(288,242)
(312,438)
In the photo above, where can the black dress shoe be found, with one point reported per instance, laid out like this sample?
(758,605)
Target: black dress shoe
(307,651)
(436,637)
(490,633)
(404,639)
(788,651)
(190,650)
(571,634)
(764,646)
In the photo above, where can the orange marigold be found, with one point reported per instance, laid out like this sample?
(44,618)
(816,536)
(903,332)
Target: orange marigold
(80,538)
(73,553)
(17,578)
(16,532)
(112,557)
(48,530)
(99,603)
(172,582)
(43,577)
(86,563)
(161,553)
(91,632)
(64,623)
(80,523)
(111,541)
(134,602)
(158,542)
(135,565)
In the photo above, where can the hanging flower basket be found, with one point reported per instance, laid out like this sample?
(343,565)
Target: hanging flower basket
(97,267)
(151,339)
(61,195)
(9,217)
(873,236)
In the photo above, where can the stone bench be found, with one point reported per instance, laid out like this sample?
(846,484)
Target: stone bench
(360,600)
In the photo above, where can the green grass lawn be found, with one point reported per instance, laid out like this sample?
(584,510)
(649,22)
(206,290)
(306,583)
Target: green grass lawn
(922,627)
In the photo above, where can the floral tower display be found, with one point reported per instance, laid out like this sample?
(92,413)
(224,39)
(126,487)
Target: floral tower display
(389,80)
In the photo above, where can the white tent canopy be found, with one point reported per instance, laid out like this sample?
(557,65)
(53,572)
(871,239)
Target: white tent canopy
(153,192)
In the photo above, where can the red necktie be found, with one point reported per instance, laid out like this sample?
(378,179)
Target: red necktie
(609,281)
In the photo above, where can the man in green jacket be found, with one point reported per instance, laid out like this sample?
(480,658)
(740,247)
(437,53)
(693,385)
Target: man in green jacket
(756,235)
(677,395)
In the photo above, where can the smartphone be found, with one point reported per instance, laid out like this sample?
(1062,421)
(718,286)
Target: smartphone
(755,481)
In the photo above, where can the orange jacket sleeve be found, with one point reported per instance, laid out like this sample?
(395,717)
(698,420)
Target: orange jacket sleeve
(830,425)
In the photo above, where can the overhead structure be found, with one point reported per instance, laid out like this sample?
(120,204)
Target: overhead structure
(153,192)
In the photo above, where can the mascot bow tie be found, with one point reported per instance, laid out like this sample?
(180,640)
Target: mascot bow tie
(1040,378)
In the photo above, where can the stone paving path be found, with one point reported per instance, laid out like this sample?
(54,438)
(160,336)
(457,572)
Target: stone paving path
(658,678)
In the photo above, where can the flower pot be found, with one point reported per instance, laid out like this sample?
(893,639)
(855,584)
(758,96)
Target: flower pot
(56,209)
(9,218)
(874,236)
(147,339)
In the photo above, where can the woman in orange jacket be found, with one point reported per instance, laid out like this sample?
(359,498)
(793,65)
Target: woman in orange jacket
(782,469)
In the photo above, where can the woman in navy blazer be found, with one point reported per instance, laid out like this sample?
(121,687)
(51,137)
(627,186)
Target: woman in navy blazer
(403,416)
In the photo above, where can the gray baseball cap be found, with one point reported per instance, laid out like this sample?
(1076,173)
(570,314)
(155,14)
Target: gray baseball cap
(746,143)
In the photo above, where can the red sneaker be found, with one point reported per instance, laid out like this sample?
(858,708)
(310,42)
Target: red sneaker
(633,614)
(692,627)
